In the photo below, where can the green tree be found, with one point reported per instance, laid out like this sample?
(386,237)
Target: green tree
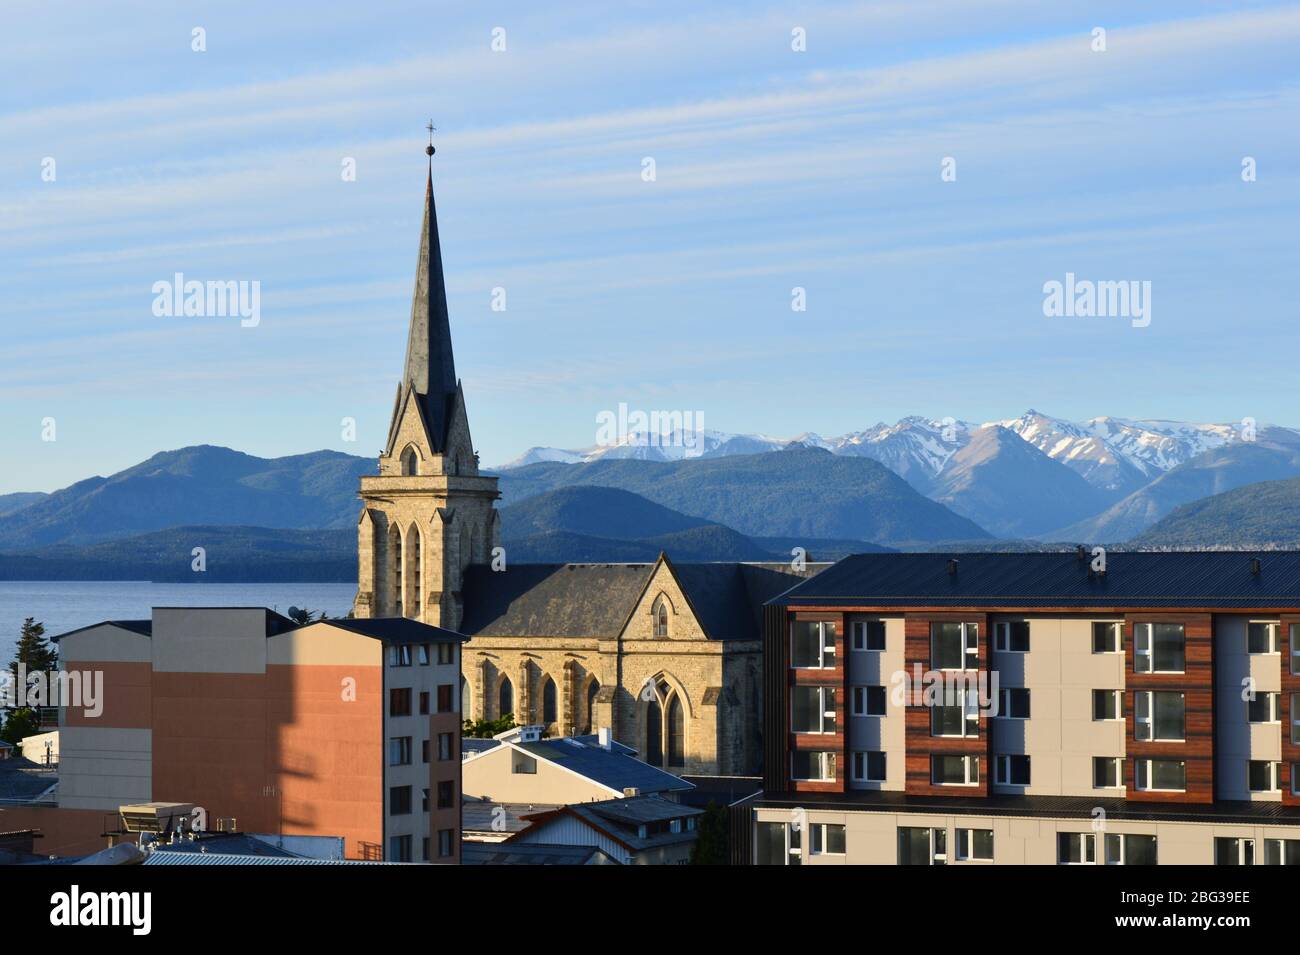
(20,723)
(33,649)
(486,729)
(713,845)
(302,617)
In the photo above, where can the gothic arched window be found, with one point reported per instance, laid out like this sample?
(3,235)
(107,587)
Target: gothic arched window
(676,733)
(505,698)
(410,462)
(550,711)
(414,571)
(592,689)
(654,746)
(660,614)
(395,569)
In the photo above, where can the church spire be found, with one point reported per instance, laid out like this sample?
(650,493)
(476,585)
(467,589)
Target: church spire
(430,370)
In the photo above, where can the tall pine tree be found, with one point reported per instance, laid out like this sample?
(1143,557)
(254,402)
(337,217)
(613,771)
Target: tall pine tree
(33,649)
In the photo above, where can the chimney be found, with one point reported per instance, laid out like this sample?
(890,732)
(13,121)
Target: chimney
(1080,554)
(605,737)
(952,567)
(629,791)
(1255,566)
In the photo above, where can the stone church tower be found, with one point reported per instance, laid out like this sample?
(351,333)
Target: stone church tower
(428,514)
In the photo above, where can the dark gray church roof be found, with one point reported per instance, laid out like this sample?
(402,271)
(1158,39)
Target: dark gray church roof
(595,600)
(552,600)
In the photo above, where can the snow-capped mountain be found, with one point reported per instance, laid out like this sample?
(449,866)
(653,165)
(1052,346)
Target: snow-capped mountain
(1116,455)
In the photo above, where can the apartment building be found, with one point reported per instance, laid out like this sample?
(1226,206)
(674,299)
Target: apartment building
(346,728)
(1055,708)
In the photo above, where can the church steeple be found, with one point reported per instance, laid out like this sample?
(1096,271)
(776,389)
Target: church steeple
(428,514)
(430,369)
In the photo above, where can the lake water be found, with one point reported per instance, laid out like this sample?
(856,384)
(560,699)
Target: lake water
(66,604)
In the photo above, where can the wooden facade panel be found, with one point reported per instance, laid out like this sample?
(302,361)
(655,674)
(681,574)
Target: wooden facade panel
(1290,685)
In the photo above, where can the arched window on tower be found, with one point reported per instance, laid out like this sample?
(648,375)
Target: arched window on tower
(410,462)
(676,733)
(592,689)
(550,711)
(395,570)
(654,746)
(505,698)
(414,570)
(660,614)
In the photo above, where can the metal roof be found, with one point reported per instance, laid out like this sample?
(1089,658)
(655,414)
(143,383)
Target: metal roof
(614,768)
(1211,579)
(397,630)
(1055,807)
(518,853)
(217,858)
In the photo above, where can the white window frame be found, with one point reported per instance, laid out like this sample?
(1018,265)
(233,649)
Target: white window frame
(825,758)
(1122,841)
(1002,769)
(1004,697)
(1280,846)
(861,755)
(970,718)
(970,647)
(823,711)
(817,837)
(1118,697)
(970,768)
(1088,845)
(1274,772)
(823,650)
(1118,763)
(858,635)
(1274,638)
(399,655)
(1274,709)
(1147,629)
(938,856)
(968,834)
(1294,631)
(1242,842)
(1295,718)
(1137,775)
(1116,629)
(855,697)
(1149,721)
(1002,636)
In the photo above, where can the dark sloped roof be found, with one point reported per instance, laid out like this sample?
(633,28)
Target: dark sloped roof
(398,630)
(481,815)
(622,819)
(1058,807)
(522,853)
(1201,579)
(595,600)
(722,790)
(614,768)
(470,744)
(143,627)
(553,600)
(235,844)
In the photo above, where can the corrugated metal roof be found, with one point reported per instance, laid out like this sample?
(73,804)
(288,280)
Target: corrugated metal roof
(614,768)
(217,858)
(519,853)
(1213,579)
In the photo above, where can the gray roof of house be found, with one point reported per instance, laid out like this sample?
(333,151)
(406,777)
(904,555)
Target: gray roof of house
(617,768)
(471,744)
(480,815)
(595,600)
(23,780)
(217,858)
(622,819)
(513,853)
(398,630)
(1168,579)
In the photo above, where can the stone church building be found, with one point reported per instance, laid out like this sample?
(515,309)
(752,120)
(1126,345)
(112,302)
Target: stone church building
(666,655)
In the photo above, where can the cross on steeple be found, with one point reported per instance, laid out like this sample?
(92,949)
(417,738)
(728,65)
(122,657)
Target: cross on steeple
(429,150)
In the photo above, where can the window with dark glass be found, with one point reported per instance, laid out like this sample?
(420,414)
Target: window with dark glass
(954,646)
(444,698)
(812,645)
(1011,636)
(399,702)
(1160,715)
(869,635)
(1159,648)
(399,800)
(1107,637)
(446,795)
(812,709)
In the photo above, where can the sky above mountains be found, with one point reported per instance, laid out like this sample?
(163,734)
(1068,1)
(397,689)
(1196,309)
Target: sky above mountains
(774,169)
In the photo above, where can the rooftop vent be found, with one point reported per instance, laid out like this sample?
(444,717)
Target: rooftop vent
(1080,553)
(630,791)
(952,567)
(1255,566)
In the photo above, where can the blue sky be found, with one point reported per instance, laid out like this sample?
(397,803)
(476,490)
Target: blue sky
(775,169)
